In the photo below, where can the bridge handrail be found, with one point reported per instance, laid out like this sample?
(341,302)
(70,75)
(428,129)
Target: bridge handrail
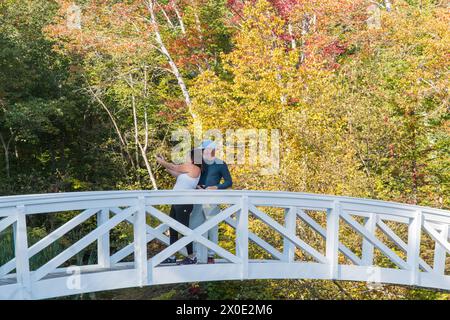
(9,201)
(133,207)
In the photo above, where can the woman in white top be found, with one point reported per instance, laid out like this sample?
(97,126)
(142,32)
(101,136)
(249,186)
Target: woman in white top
(188,175)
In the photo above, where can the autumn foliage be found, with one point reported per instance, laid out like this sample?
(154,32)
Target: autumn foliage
(360,97)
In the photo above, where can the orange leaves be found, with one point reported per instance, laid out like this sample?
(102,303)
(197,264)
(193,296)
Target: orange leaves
(174,110)
(115,29)
(320,29)
(187,51)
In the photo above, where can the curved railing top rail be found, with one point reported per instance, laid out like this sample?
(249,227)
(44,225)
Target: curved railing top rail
(197,196)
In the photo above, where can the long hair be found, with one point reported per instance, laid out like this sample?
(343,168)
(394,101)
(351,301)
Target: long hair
(197,158)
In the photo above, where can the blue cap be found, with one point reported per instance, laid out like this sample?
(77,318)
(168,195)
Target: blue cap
(208,144)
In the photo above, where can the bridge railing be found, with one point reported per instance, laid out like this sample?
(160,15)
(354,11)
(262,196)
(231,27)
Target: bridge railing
(416,251)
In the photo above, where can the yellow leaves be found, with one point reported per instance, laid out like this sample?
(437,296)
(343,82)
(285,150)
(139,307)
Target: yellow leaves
(267,89)
(337,127)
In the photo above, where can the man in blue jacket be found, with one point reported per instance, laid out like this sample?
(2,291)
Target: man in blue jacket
(215,176)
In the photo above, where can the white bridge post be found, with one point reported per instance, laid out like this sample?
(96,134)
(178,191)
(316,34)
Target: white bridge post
(332,239)
(103,242)
(440,253)
(242,236)
(290,220)
(367,247)
(413,254)
(140,242)
(21,252)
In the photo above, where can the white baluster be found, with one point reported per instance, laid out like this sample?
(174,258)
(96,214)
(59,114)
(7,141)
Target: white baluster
(103,242)
(290,224)
(332,239)
(440,253)
(140,243)
(367,247)
(414,235)
(21,249)
(242,236)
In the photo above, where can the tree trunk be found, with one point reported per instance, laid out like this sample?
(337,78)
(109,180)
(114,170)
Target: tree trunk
(388,5)
(166,16)
(180,20)
(173,66)
(138,143)
(136,130)
(147,165)
(123,142)
(6,153)
(291,34)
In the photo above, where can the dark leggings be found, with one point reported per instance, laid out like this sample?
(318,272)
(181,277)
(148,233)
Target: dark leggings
(181,213)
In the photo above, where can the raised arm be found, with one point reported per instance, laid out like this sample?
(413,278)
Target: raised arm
(173,173)
(173,169)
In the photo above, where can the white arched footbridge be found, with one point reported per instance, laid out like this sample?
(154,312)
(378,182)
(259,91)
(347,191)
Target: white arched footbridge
(413,240)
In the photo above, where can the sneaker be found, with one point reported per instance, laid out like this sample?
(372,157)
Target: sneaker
(188,260)
(169,260)
(211,260)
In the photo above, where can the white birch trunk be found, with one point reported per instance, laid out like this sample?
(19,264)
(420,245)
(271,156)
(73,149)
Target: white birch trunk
(173,67)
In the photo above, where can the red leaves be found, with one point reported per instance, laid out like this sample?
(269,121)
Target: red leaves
(188,51)
(174,109)
(283,7)
(286,37)
(195,290)
(391,151)
(334,49)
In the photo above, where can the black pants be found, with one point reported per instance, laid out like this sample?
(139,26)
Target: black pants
(181,213)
